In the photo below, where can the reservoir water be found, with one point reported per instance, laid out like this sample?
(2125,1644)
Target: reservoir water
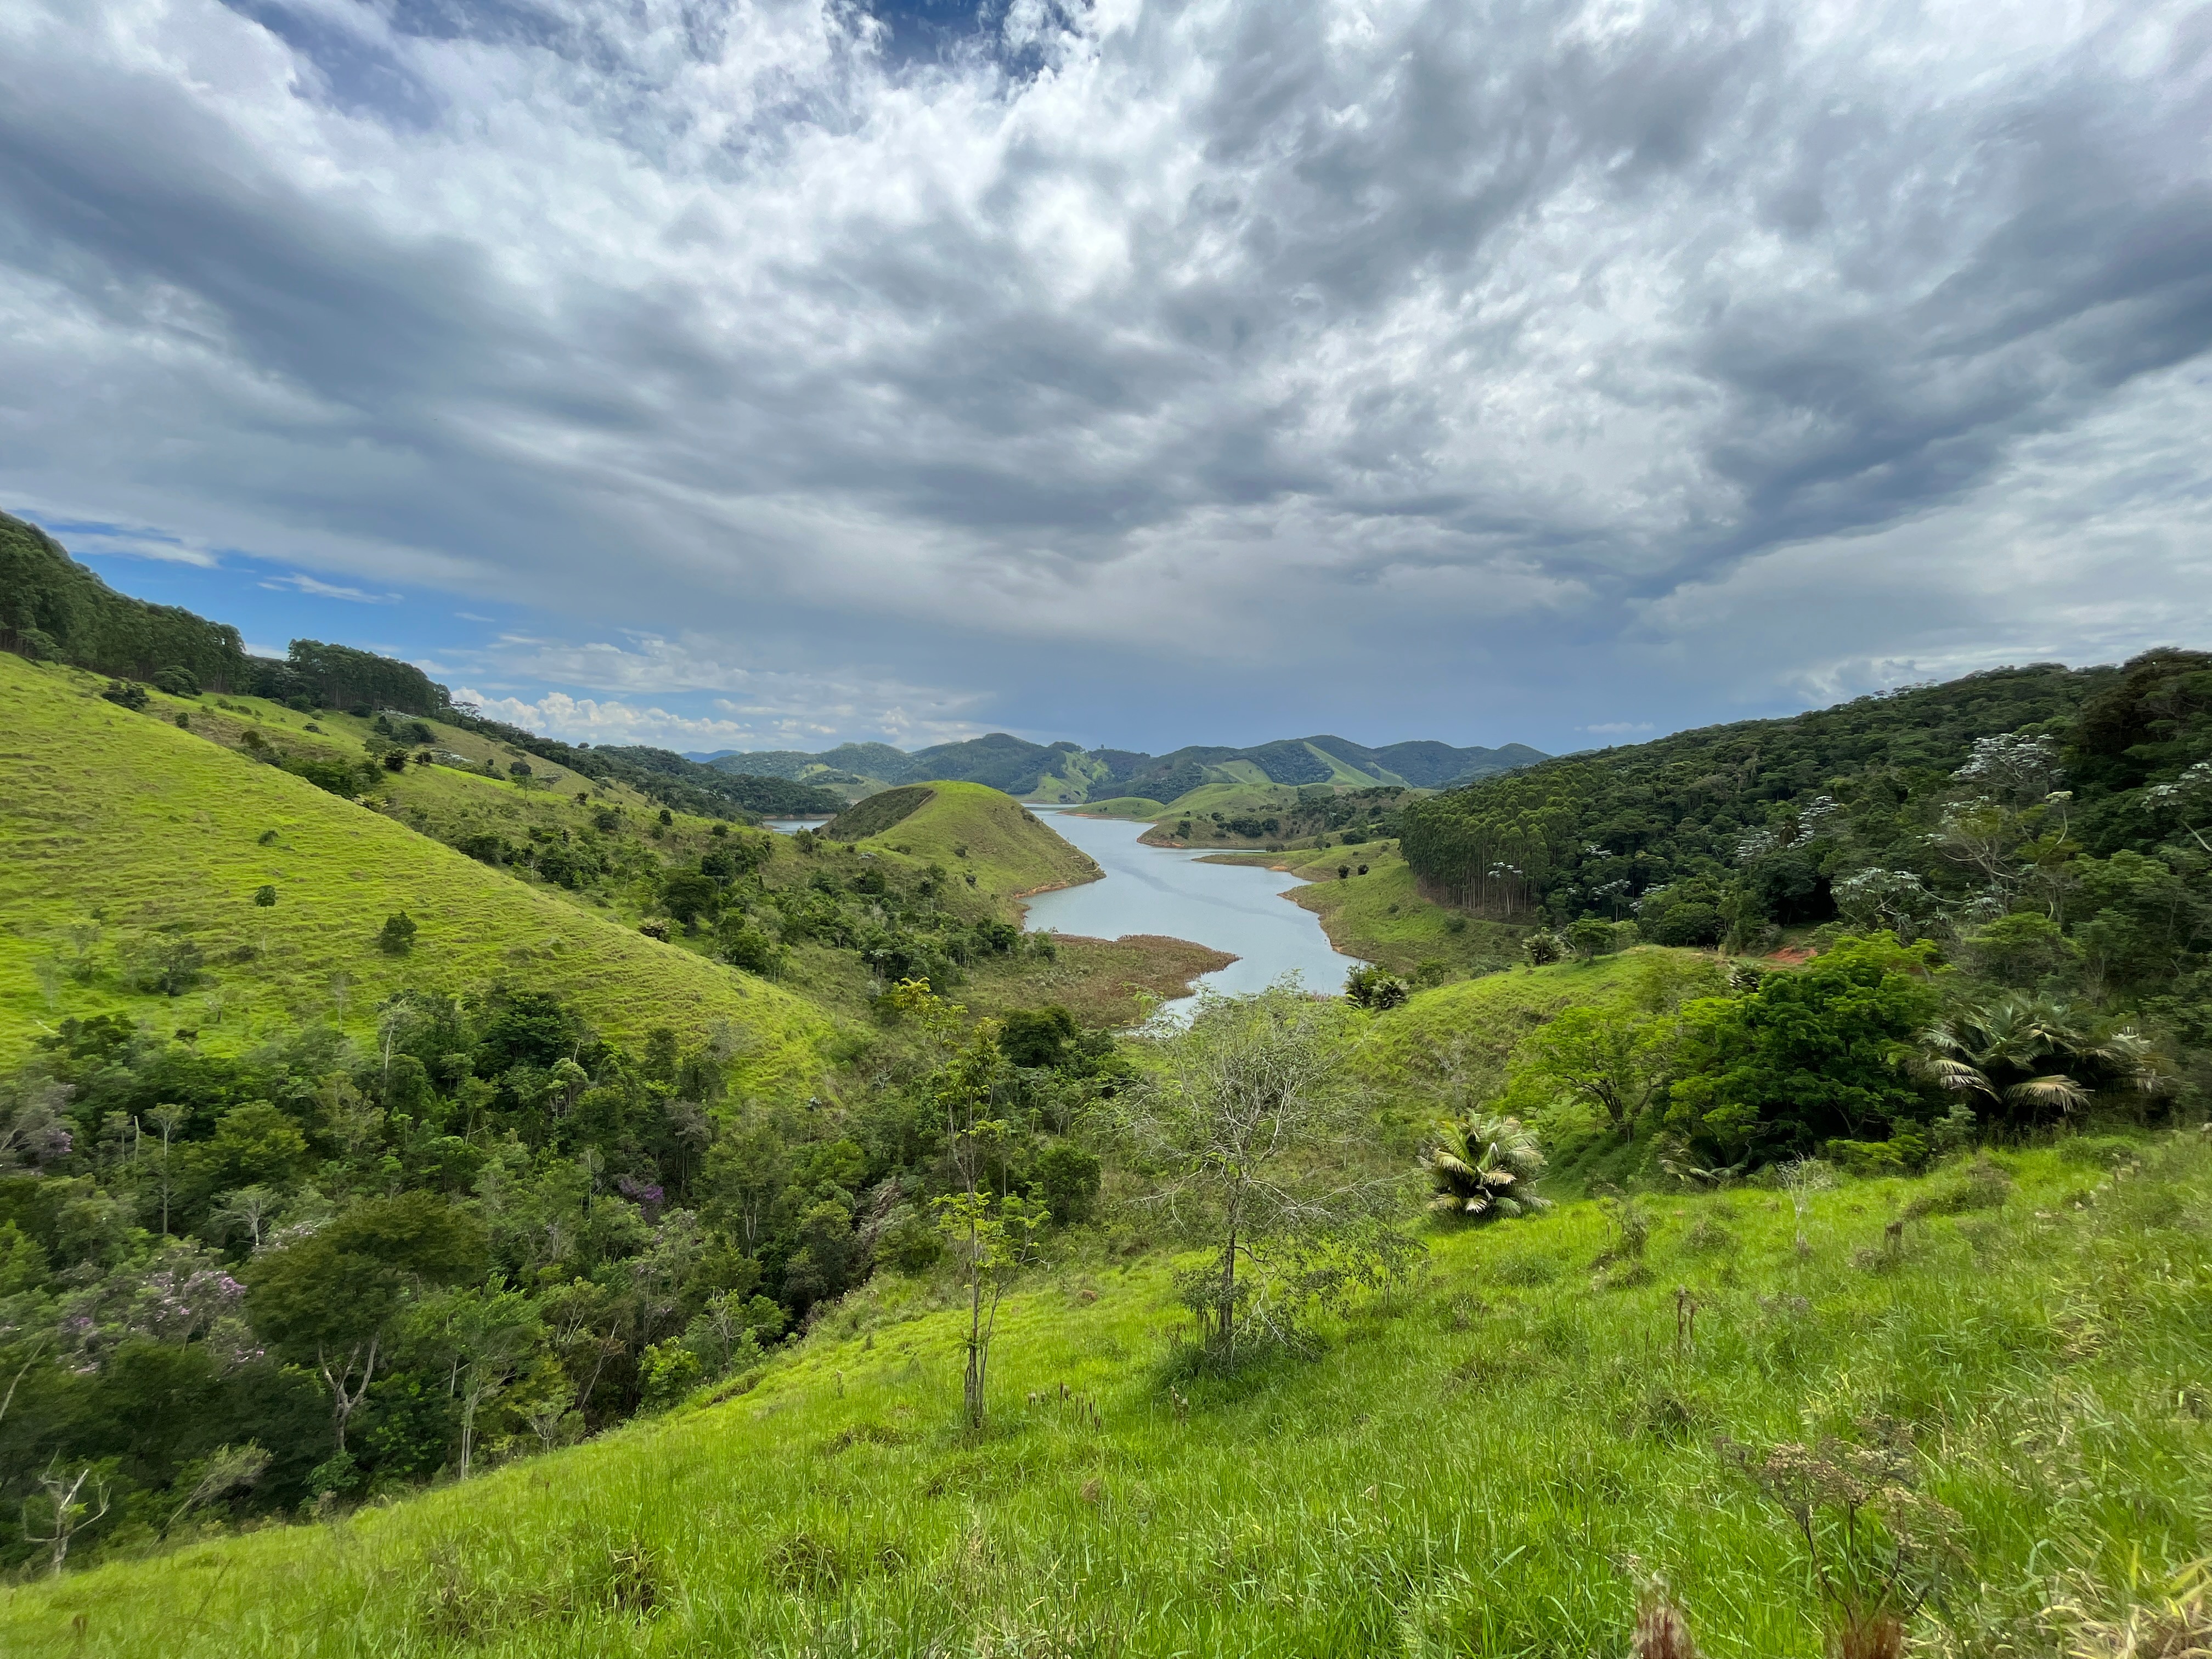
(1160,889)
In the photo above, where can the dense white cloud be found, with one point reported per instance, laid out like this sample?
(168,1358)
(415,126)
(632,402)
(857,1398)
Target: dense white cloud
(1481,363)
(734,725)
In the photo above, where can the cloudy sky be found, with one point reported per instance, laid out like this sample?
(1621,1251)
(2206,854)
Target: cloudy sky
(769,372)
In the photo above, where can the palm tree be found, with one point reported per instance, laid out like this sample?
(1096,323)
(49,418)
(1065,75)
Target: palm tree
(1482,1168)
(2027,1057)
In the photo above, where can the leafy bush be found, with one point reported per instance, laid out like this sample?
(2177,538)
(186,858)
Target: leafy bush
(1037,1038)
(178,681)
(486,848)
(568,865)
(128,694)
(1377,989)
(336,777)
(1684,922)
(1590,937)
(745,945)
(398,938)
(666,1372)
(1902,1153)
(1069,1178)
(1805,1058)
(687,896)
(169,963)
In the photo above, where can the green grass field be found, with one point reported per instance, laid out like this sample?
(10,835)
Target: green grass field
(1487,1463)
(1380,917)
(974,830)
(1255,797)
(122,834)
(1124,806)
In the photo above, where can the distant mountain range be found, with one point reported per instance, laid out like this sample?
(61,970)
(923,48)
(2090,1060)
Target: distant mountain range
(1068,772)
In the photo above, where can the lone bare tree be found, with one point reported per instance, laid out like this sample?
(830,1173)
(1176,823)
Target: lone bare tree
(69,1513)
(1252,1133)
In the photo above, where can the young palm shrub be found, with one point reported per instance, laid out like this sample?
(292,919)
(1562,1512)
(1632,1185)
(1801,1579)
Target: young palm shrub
(2029,1057)
(1482,1168)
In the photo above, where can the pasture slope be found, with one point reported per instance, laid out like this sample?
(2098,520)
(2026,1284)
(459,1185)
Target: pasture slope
(122,836)
(1488,1462)
(973,830)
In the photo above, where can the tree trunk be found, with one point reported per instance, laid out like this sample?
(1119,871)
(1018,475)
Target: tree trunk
(343,1402)
(972,1385)
(1229,1296)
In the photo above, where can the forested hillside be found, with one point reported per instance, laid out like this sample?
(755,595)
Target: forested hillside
(1931,801)
(51,606)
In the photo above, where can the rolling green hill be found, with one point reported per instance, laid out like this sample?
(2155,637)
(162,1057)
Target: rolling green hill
(1064,774)
(1492,1461)
(984,836)
(130,843)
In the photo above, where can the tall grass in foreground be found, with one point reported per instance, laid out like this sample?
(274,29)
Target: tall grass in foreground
(1496,1463)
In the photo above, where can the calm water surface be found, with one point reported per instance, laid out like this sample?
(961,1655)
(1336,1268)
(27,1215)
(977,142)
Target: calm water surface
(1159,889)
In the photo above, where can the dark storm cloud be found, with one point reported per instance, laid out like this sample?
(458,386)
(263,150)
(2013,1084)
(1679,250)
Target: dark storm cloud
(1090,336)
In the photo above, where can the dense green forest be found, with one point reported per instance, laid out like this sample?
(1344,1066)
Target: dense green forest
(492,1230)
(2068,794)
(53,607)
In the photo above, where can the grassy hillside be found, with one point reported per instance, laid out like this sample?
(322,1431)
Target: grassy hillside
(1126,806)
(1381,918)
(471,800)
(1488,1462)
(1447,1048)
(975,831)
(125,838)
(1376,911)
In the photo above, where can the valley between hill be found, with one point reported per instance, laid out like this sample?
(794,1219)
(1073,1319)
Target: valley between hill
(462,1193)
